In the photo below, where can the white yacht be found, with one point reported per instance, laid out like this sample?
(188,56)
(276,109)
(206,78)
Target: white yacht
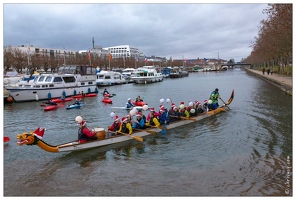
(127,74)
(105,78)
(69,80)
(147,74)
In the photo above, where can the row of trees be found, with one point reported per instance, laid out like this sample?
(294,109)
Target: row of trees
(19,60)
(273,46)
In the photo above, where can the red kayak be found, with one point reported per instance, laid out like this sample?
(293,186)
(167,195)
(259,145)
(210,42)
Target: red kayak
(57,100)
(51,107)
(139,103)
(86,95)
(107,100)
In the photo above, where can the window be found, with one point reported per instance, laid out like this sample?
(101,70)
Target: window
(57,79)
(41,78)
(48,79)
(70,79)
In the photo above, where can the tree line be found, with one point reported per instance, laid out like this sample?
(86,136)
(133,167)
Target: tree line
(20,60)
(273,46)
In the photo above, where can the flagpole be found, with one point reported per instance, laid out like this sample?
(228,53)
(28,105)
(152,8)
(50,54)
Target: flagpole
(64,58)
(109,61)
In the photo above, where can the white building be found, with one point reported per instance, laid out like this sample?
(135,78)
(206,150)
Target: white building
(43,51)
(125,51)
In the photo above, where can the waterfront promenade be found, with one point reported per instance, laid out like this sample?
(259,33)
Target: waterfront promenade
(281,81)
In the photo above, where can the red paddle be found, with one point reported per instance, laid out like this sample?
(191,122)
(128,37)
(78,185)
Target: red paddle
(6,139)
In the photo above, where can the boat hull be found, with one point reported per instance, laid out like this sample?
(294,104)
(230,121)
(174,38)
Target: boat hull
(144,80)
(68,81)
(107,101)
(139,103)
(51,107)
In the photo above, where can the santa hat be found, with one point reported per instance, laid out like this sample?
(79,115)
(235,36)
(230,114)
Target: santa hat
(181,102)
(152,109)
(162,109)
(138,115)
(37,130)
(116,118)
(124,119)
(40,134)
(196,102)
(175,108)
(205,101)
(173,105)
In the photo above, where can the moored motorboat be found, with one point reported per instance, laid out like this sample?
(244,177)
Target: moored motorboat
(105,78)
(31,138)
(147,74)
(68,81)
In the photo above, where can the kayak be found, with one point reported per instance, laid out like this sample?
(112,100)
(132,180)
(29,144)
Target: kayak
(51,107)
(86,95)
(57,100)
(125,108)
(107,100)
(139,103)
(74,106)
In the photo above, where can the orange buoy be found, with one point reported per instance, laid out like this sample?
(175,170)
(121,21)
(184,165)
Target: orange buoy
(9,99)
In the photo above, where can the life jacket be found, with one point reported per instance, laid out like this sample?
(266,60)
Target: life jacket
(151,121)
(214,96)
(81,135)
(116,126)
(124,129)
(144,118)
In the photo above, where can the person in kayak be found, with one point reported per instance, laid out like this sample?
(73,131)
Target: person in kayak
(129,103)
(62,97)
(105,92)
(84,134)
(77,102)
(138,99)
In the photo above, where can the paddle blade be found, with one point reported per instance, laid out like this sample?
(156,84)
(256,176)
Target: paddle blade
(163,131)
(151,132)
(6,139)
(138,138)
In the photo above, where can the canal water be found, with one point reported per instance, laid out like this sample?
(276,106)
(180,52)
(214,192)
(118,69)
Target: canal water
(244,152)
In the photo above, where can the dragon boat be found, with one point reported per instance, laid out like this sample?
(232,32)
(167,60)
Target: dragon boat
(32,138)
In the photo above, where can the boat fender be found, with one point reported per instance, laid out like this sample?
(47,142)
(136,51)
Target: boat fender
(96,90)
(76,92)
(48,95)
(89,91)
(64,93)
(37,97)
(9,99)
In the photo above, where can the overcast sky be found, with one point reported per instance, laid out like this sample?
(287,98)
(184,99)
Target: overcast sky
(167,30)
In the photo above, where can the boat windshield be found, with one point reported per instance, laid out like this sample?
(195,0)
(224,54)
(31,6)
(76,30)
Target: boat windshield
(72,69)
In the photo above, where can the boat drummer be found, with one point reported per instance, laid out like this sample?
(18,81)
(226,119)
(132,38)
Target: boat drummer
(84,134)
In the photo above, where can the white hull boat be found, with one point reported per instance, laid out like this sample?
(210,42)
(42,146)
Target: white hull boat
(147,74)
(69,81)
